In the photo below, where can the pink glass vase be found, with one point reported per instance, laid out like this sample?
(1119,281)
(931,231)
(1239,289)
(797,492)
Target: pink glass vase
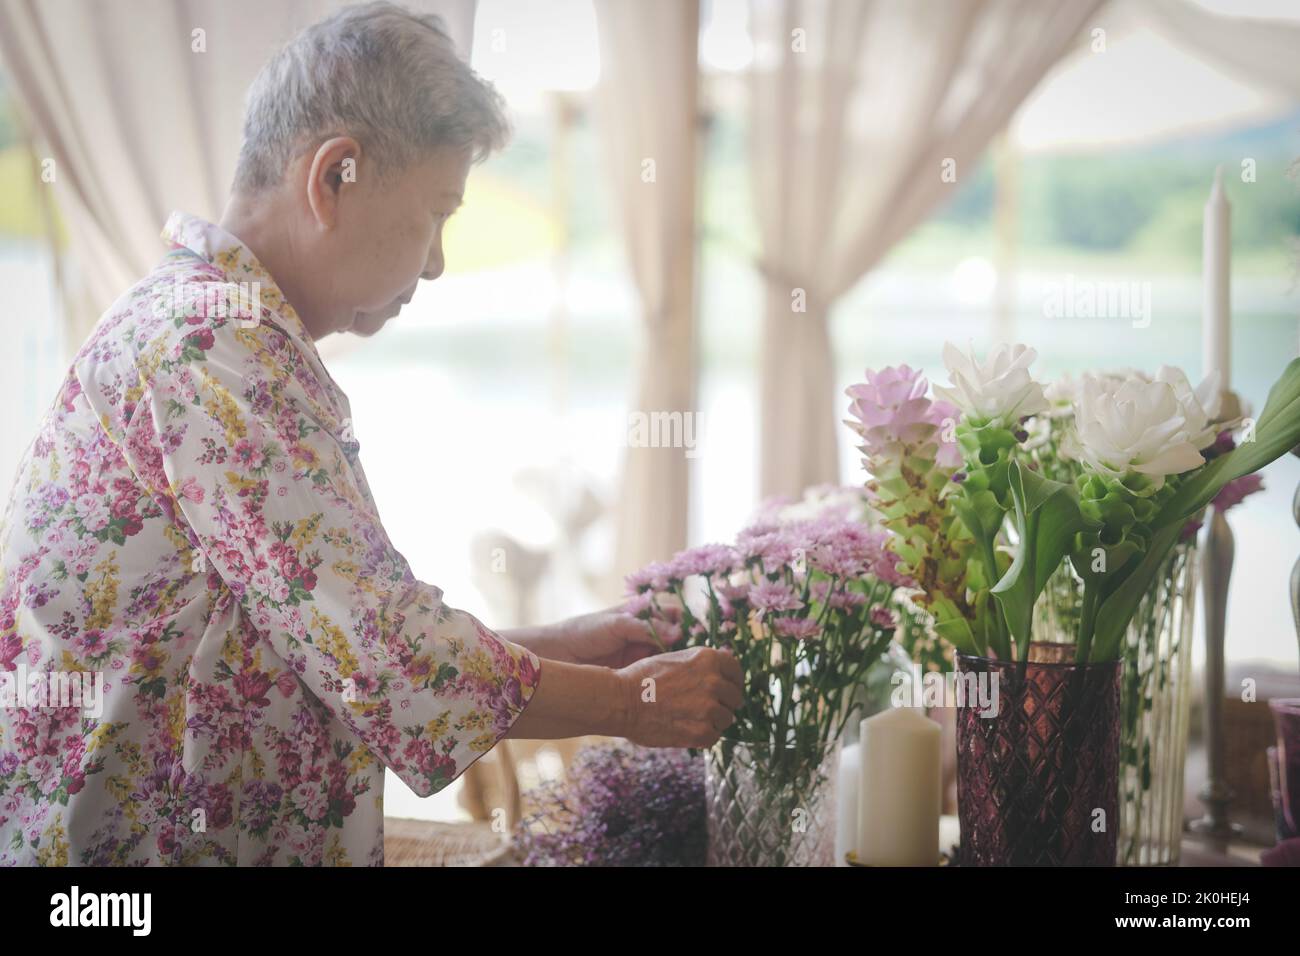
(1286,766)
(1037,774)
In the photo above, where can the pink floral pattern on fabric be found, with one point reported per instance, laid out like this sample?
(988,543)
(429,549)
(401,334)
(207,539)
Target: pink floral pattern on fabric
(193,524)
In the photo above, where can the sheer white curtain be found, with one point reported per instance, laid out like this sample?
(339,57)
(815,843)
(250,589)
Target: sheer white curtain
(1261,51)
(648,104)
(865,116)
(140,106)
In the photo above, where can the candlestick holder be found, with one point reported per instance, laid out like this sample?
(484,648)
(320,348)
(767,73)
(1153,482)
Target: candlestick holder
(1216,575)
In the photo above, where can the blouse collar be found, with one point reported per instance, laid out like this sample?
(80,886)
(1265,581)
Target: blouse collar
(236,261)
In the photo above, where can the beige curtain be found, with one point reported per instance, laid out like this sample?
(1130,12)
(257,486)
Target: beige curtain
(1260,51)
(858,111)
(140,105)
(648,104)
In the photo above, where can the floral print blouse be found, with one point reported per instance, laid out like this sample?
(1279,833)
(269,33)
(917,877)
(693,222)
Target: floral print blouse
(192,525)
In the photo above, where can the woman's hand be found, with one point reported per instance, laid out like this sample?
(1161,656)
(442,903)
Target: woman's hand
(608,638)
(684,698)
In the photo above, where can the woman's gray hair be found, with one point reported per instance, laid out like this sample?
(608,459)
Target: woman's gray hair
(382,74)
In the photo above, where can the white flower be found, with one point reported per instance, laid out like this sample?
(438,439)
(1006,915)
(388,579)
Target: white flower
(1000,389)
(1154,428)
(1200,406)
(1064,393)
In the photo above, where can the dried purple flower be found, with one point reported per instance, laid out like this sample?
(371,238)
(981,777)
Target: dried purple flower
(622,805)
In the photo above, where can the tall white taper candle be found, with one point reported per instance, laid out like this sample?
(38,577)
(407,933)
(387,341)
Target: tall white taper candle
(1216,323)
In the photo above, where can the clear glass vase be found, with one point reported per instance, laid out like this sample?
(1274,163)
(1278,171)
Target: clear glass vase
(1155,711)
(770,808)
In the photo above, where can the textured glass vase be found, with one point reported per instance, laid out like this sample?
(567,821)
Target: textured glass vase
(1156,703)
(1037,772)
(770,812)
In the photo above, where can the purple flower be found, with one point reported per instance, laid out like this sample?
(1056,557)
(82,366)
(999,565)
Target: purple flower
(768,596)
(799,628)
(639,604)
(653,576)
(773,549)
(896,418)
(707,559)
(1286,853)
(1232,494)
(843,600)
(621,805)
(883,618)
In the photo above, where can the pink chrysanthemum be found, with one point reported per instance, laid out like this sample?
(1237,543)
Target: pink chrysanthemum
(768,596)
(707,559)
(653,576)
(799,628)
(884,618)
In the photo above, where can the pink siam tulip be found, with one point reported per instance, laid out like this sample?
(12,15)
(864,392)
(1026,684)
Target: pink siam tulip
(909,448)
(896,418)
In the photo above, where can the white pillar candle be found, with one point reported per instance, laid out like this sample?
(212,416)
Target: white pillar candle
(899,801)
(1216,323)
(846,803)
(949,832)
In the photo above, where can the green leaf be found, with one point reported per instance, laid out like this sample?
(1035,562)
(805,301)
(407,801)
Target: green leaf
(952,627)
(1116,610)
(1047,519)
(1277,431)
(981,514)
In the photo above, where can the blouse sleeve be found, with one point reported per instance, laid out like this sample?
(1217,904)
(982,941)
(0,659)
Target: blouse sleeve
(264,474)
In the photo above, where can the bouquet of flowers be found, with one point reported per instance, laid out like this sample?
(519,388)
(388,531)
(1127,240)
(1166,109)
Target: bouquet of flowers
(805,601)
(992,486)
(805,604)
(1001,490)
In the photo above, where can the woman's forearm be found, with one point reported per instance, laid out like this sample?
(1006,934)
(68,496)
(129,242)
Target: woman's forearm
(540,640)
(573,700)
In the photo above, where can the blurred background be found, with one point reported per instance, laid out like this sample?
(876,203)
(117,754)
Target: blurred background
(791,146)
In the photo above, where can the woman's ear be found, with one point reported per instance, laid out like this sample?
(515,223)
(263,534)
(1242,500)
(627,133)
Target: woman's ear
(333,168)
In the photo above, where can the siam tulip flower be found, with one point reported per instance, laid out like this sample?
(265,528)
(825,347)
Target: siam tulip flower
(1154,428)
(896,419)
(1200,405)
(998,390)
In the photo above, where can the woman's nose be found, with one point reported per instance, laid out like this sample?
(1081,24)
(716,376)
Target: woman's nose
(433,268)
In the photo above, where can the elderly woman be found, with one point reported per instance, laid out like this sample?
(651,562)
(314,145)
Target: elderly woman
(192,525)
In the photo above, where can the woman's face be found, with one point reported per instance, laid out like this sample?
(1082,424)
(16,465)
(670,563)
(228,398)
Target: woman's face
(388,237)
